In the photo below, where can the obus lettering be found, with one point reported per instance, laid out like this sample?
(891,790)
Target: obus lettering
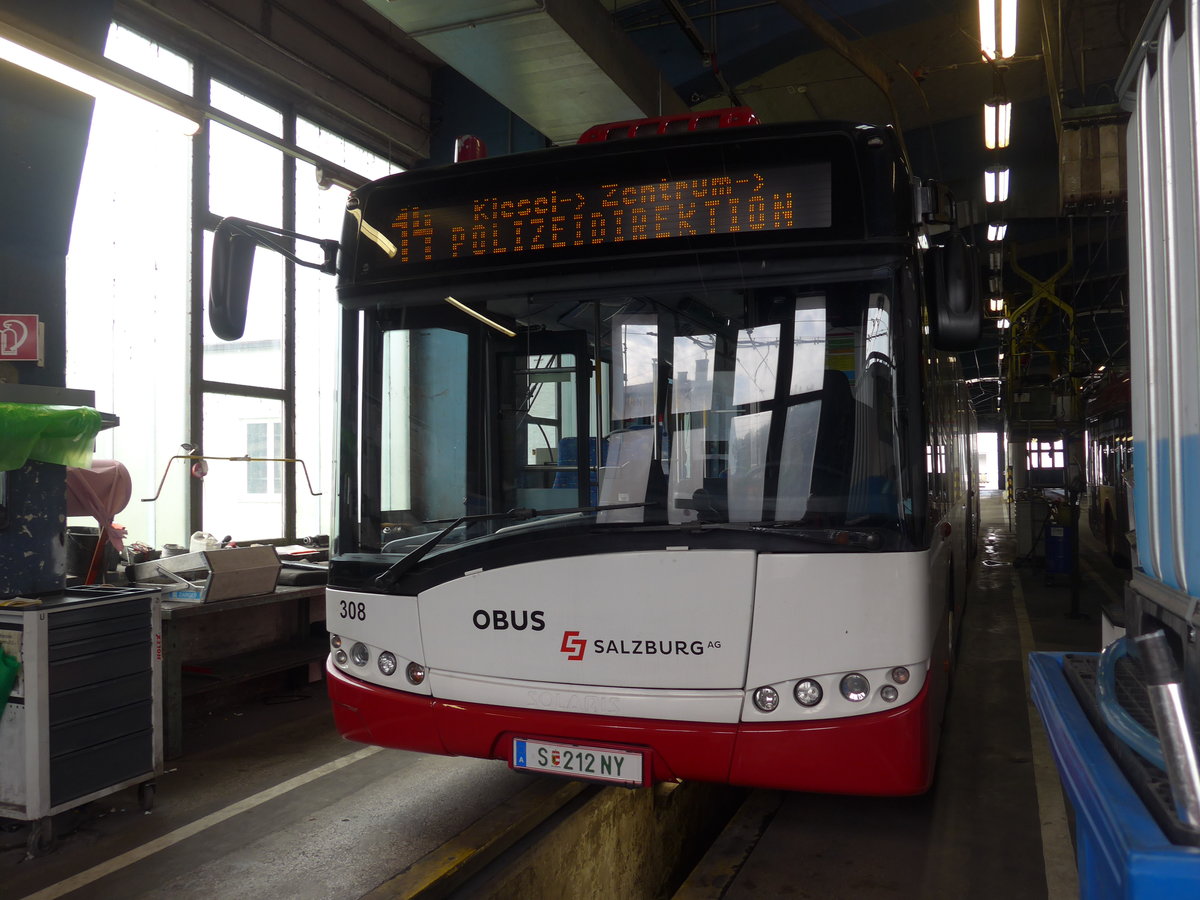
(504,619)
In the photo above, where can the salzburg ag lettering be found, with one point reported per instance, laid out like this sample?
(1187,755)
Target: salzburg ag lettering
(611,213)
(650,648)
(575,645)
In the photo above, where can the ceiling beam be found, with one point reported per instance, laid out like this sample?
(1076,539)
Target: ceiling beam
(377,95)
(835,41)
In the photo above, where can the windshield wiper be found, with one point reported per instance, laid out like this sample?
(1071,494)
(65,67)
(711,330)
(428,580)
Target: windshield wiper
(524,513)
(838,537)
(388,579)
(835,537)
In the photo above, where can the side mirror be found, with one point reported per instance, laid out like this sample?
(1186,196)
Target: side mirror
(229,281)
(955,313)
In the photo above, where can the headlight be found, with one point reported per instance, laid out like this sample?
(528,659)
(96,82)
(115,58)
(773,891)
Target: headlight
(889,693)
(415,673)
(855,687)
(360,654)
(766,699)
(341,658)
(899,675)
(808,692)
(387,663)
(335,641)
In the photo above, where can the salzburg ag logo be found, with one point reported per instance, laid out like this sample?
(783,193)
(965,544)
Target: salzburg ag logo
(573,645)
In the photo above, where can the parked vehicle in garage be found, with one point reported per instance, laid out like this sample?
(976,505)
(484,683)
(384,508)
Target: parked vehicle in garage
(655,457)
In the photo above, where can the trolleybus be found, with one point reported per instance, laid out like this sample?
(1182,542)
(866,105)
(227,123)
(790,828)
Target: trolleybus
(655,457)
(1109,448)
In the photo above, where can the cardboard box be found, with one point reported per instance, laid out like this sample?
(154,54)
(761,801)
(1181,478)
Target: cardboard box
(213,574)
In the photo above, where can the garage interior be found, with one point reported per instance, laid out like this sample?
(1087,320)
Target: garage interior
(273,111)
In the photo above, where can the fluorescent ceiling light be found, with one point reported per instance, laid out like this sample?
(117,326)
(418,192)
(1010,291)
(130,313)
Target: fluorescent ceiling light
(995,184)
(998,28)
(1008,29)
(987,28)
(996,231)
(997,123)
(87,75)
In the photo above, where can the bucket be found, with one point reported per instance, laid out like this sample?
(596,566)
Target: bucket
(1058,549)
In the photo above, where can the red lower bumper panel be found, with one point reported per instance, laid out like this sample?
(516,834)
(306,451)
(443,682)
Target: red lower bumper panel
(888,753)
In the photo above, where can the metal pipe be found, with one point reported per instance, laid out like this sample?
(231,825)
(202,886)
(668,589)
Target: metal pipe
(1170,715)
(538,8)
(707,54)
(283,459)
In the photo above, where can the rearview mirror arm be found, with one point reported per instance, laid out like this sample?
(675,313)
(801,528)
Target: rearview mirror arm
(264,235)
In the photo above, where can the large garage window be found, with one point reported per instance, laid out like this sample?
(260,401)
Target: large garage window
(136,298)
(127,289)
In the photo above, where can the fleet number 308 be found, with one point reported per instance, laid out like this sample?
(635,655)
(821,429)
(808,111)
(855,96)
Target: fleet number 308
(352,610)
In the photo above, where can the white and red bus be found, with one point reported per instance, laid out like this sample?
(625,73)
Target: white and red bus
(655,464)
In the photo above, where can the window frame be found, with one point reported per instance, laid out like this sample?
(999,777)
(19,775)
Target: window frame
(1038,449)
(202,221)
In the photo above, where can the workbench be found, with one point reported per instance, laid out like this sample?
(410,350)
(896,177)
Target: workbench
(218,644)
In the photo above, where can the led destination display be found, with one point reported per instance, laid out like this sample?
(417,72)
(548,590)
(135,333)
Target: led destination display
(579,215)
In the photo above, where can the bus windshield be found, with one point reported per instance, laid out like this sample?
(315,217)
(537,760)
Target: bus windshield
(771,406)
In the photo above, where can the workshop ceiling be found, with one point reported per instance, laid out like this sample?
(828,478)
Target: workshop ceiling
(563,64)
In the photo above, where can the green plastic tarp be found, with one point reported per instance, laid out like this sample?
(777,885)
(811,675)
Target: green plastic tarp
(9,667)
(53,434)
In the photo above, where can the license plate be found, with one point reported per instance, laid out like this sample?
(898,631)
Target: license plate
(596,763)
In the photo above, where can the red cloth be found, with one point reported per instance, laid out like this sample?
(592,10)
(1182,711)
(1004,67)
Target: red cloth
(101,491)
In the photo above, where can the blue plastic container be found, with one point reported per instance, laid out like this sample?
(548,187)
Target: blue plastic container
(1058,549)
(1120,850)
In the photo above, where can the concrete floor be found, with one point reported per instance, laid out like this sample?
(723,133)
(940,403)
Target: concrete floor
(269,802)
